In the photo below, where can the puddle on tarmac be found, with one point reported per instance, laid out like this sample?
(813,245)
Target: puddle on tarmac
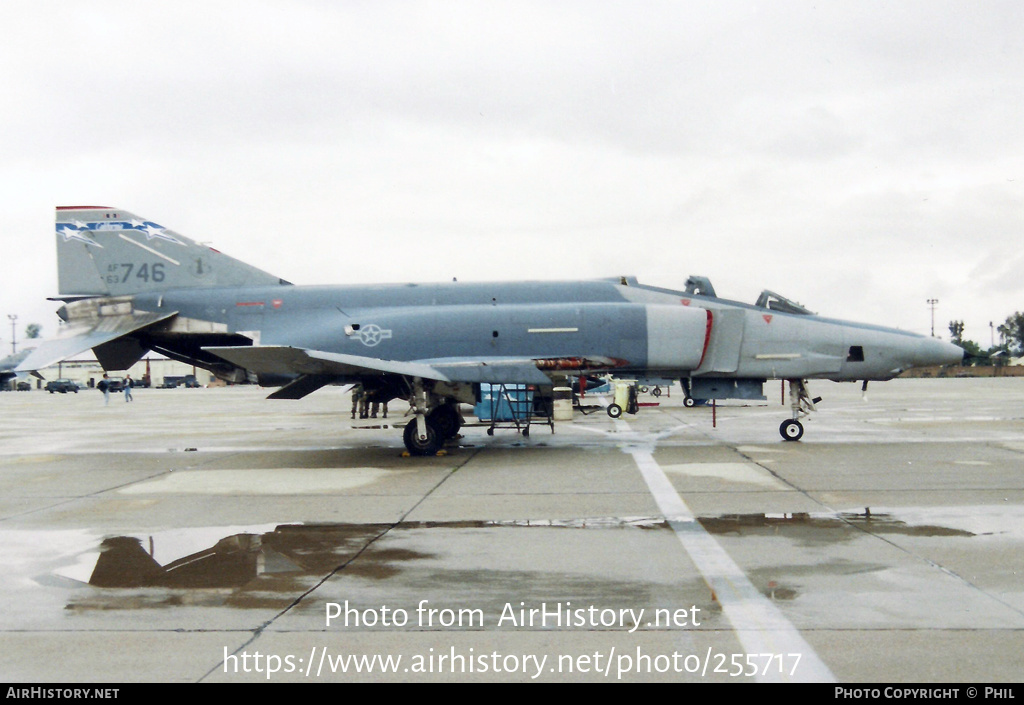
(827,527)
(269,566)
(235,560)
(288,549)
(263,566)
(780,583)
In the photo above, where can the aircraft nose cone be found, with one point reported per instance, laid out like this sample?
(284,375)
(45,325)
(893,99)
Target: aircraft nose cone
(933,351)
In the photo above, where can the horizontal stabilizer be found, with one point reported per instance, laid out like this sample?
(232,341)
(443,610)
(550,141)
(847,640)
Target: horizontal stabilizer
(301,387)
(79,337)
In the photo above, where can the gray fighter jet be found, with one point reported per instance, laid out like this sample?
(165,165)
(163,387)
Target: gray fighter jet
(130,286)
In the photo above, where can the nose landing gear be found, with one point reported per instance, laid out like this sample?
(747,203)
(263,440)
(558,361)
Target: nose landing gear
(802,404)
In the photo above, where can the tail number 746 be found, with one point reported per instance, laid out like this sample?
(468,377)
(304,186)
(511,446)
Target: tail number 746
(119,273)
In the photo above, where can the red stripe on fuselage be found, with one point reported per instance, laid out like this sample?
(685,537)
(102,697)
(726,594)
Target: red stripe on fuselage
(707,338)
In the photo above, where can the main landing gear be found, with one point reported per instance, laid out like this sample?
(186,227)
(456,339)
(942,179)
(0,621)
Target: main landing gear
(802,404)
(432,427)
(425,435)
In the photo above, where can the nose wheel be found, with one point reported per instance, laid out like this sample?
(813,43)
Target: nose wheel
(791,430)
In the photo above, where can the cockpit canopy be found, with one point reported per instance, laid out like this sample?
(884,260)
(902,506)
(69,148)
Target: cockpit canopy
(700,286)
(775,302)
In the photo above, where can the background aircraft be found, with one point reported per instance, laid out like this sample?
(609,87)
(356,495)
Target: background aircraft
(8,376)
(130,286)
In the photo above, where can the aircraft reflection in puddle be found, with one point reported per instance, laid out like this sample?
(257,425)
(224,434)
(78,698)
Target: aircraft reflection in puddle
(236,560)
(316,550)
(288,549)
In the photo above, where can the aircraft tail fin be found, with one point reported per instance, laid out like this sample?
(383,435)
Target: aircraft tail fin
(109,252)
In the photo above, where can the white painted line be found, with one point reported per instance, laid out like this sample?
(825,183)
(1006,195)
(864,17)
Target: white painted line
(149,249)
(760,626)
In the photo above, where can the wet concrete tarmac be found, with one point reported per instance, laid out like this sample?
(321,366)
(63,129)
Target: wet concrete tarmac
(212,535)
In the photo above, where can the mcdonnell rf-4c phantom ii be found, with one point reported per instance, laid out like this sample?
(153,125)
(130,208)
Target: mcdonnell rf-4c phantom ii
(130,286)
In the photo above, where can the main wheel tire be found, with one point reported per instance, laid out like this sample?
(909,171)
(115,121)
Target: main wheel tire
(689,402)
(447,421)
(422,446)
(791,430)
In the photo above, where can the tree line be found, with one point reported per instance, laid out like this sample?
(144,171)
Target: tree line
(1011,342)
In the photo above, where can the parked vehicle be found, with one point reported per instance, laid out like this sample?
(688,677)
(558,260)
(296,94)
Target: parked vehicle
(61,385)
(189,381)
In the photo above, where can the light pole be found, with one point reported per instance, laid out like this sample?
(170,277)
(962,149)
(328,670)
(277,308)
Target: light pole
(932,302)
(14,344)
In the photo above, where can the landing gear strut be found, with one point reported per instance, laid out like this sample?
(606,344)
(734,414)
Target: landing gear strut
(421,435)
(437,420)
(802,404)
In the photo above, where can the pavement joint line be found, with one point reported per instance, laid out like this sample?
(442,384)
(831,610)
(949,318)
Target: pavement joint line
(96,494)
(929,562)
(863,529)
(258,631)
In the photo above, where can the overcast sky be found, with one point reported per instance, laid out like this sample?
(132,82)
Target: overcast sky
(860,158)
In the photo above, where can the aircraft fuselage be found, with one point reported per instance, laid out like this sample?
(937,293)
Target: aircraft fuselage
(625,329)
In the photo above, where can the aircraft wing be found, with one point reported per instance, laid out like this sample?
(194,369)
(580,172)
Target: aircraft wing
(76,338)
(286,360)
(490,370)
(317,368)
